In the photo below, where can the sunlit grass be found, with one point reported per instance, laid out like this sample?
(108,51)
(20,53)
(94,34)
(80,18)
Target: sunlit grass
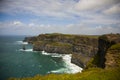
(89,74)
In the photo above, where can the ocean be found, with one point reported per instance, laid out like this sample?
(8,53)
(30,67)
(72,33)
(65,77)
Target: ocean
(16,62)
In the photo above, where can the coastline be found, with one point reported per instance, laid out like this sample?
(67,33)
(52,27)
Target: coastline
(77,45)
(69,67)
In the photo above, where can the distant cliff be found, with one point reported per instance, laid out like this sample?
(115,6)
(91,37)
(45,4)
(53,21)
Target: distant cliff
(86,50)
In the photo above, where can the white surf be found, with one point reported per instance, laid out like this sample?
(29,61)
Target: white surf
(68,66)
(21,42)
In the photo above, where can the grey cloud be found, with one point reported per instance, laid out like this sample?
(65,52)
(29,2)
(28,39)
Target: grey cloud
(55,8)
(113,10)
(94,4)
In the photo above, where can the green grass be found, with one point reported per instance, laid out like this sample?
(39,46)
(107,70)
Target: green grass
(91,36)
(70,35)
(115,47)
(61,44)
(89,74)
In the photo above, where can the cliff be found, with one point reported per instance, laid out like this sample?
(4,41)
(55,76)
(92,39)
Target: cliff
(108,54)
(87,51)
(82,47)
(113,56)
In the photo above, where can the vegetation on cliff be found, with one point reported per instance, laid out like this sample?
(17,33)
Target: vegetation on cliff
(115,47)
(89,74)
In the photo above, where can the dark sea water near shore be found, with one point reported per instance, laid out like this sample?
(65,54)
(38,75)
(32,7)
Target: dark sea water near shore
(16,62)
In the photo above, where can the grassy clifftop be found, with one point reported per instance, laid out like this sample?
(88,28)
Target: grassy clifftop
(90,74)
(115,47)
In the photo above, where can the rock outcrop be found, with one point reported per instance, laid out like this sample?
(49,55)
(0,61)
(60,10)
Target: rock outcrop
(106,56)
(113,56)
(105,42)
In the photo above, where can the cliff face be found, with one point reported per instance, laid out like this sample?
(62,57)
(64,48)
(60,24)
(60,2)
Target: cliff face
(107,57)
(113,56)
(83,46)
(56,42)
(84,49)
(53,47)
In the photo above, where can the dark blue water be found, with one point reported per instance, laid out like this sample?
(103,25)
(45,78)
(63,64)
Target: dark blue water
(14,62)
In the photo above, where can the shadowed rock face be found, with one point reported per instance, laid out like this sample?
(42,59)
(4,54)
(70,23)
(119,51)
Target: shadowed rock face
(53,47)
(105,42)
(82,48)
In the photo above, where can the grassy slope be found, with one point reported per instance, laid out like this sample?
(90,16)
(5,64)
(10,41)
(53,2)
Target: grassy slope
(70,35)
(90,74)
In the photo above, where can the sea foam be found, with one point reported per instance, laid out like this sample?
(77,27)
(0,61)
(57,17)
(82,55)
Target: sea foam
(68,66)
(27,50)
(21,42)
(52,54)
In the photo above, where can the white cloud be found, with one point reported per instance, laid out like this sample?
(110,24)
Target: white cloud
(17,23)
(42,28)
(86,29)
(31,24)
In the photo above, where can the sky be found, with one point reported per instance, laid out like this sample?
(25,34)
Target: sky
(33,17)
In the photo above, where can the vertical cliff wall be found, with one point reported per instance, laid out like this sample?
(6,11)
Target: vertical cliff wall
(106,56)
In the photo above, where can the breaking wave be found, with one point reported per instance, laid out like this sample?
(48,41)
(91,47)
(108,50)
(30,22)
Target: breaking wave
(52,54)
(68,66)
(27,50)
(21,42)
